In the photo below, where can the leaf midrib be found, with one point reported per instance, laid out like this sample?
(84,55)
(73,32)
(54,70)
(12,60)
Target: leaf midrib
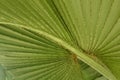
(80,55)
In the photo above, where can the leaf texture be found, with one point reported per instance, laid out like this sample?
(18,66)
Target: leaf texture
(60,39)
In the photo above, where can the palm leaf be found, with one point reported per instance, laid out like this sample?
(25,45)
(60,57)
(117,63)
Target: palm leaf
(60,39)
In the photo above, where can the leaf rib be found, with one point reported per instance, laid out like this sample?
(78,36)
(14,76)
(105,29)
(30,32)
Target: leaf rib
(80,55)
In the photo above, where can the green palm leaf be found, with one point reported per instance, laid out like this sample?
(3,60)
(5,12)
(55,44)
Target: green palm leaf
(60,39)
